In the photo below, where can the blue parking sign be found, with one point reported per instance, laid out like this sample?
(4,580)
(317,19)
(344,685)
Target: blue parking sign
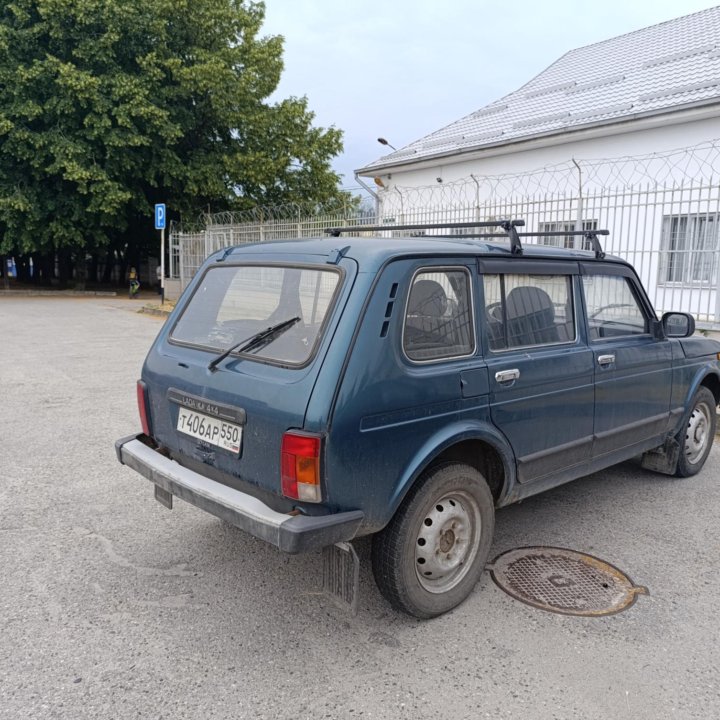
(160,216)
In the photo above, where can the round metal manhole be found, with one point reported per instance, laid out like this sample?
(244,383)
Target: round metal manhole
(564,581)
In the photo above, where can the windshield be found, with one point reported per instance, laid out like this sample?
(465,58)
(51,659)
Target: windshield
(234,302)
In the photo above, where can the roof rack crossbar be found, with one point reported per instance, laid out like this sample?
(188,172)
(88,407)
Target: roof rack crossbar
(508,226)
(590,235)
(512,233)
(504,224)
(563,233)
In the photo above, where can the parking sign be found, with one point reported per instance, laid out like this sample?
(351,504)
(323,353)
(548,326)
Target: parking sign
(160,216)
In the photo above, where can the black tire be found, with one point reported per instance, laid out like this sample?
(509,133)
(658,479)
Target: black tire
(432,553)
(697,437)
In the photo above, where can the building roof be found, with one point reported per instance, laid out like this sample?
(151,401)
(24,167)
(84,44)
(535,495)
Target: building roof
(659,69)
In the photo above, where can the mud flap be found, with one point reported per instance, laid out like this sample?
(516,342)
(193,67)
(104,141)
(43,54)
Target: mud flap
(663,459)
(341,574)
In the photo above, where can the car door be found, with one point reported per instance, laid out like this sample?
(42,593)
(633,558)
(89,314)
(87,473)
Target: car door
(633,368)
(540,367)
(414,371)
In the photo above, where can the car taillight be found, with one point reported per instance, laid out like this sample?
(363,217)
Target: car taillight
(142,406)
(300,466)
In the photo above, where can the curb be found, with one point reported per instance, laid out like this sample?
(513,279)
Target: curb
(150,310)
(59,293)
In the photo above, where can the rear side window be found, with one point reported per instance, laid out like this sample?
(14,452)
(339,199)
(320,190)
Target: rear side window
(439,317)
(612,309)
(233,303)
(528,310)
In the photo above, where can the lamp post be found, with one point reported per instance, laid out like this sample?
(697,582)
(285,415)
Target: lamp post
(383,141)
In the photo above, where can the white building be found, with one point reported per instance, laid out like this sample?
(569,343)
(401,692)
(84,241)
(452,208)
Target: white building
(623,134)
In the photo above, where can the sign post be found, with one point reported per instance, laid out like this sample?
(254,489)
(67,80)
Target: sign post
(160,225)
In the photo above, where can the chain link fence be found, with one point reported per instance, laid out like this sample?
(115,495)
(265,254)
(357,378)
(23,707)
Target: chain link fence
(662,211)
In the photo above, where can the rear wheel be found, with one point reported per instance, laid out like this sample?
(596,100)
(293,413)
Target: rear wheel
(432,553)
(697,439)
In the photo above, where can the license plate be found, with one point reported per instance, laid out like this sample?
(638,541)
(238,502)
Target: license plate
(212,430)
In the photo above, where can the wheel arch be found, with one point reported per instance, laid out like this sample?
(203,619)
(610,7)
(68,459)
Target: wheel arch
(712,382)
(709,377)
(480,446)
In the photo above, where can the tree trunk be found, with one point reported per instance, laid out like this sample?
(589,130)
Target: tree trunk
(46,268)
(80,266)
(93,274)
(3,269)
(65,267)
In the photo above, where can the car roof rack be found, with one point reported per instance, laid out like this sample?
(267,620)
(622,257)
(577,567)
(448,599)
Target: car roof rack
(507,225)
(590,235)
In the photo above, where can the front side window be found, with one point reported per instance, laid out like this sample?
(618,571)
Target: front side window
(689,245)
(439,319)
(612,308)
(233,303)
(528,310)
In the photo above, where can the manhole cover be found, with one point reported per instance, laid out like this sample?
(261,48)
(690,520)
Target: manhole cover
(564,581)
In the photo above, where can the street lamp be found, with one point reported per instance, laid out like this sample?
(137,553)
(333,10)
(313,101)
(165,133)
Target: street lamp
(383,141)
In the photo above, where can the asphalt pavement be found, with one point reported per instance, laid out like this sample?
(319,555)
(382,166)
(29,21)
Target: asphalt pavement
(112,606)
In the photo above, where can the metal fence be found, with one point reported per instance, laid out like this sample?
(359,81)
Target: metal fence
(662,211)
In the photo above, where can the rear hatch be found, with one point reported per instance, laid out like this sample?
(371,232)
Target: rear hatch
(226,416)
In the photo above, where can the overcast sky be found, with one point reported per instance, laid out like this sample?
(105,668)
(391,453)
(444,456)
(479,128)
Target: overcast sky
(401,69)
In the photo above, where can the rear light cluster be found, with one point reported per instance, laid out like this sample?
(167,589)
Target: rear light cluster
(300,466)
(142,406)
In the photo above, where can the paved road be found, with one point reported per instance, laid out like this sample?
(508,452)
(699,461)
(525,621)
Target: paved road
(113,607)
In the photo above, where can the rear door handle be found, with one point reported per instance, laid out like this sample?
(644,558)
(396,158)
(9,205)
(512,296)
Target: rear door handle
(503,376)
(606,359)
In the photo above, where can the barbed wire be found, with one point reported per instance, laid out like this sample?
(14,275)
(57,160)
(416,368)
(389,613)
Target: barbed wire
(470,195)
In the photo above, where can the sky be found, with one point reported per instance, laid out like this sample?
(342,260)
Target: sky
(401,69)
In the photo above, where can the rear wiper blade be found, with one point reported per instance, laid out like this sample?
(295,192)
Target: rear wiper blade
(259,338)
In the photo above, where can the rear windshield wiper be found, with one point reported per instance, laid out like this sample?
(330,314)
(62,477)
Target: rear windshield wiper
(258,339)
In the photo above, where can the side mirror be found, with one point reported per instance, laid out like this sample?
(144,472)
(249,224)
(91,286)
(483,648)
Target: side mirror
(678,325)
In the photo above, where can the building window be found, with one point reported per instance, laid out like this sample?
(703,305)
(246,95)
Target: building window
(689,244)
(565,241)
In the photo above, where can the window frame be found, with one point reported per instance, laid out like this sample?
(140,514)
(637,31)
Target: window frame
(473,318)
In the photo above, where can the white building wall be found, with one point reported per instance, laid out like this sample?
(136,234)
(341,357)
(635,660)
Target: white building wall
(632,182)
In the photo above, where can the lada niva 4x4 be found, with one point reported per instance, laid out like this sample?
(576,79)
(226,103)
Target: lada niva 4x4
(311,392)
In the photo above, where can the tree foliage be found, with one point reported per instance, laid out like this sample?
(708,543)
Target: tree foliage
(108,106)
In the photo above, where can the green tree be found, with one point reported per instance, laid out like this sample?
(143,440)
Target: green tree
(108,106)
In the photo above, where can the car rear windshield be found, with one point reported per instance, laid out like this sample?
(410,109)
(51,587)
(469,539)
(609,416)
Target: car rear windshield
(233,303)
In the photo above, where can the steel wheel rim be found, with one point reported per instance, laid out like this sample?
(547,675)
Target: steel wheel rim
(697,435)
(447,541)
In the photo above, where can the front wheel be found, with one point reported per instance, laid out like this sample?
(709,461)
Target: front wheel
(697,439)
(432,553)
